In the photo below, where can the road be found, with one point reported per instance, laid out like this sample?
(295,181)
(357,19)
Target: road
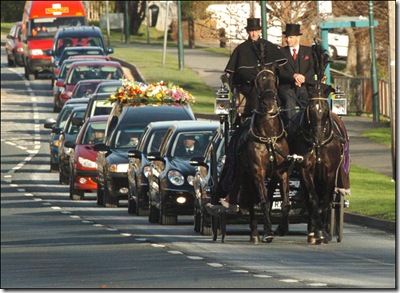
(49,241)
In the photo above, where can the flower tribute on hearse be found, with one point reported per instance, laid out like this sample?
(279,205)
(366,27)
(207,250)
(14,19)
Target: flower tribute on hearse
(132,93)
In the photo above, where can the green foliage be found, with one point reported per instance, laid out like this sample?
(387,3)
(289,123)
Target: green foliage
(372,194)
(11,11)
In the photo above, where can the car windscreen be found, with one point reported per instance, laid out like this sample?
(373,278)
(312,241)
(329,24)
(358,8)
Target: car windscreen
(201,138)
(127,136)
(47,27)
(63,117)
(70,127)
(94,132)
(154,141)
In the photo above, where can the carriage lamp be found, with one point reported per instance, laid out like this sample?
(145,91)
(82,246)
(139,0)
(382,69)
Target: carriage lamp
(339,101)
(222,102)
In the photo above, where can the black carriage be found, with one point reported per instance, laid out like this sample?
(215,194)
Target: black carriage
(227,107)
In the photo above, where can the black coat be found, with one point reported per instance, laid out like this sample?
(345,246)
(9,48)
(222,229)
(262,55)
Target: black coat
(244,62)
(305,67)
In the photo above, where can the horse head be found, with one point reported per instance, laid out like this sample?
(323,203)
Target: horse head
(318,113)
(266,83)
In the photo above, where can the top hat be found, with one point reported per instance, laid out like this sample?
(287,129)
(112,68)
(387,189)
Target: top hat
(292,30)
(189,136)
(253,24)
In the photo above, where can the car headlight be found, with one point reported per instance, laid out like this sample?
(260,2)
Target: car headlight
(87,163)
(119,168)
(36,52)
(147,171)
(190,180)
(176,178)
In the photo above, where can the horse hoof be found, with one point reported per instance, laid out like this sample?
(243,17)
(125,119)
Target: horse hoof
(267,238)
(311,239)
(254,240)
(318,235)
(282,231)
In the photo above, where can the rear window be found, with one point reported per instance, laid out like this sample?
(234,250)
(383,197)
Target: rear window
(94,72)
(77,42)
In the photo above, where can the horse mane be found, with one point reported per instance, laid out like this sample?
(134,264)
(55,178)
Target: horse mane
(321,59)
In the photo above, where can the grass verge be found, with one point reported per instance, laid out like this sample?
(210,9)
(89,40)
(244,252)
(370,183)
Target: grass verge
(372,194)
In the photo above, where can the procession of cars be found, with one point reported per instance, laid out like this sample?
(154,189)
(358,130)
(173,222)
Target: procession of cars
(131,153)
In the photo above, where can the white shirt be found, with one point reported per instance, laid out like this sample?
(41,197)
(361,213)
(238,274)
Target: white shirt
(297,50)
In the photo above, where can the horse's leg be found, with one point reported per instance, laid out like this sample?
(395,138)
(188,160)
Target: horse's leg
(313,208)
(268,234)
(253,226)
(283,227)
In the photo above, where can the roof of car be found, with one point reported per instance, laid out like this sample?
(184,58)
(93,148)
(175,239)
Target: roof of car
(152,112)
(89,81)
(81,48)
(77,101)
(96,63)
(76,31)
(193,125)
(98,118)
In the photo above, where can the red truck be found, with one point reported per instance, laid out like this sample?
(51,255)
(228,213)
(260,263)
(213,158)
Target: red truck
(40,22)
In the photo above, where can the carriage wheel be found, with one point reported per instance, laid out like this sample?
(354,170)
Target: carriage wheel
(337,217)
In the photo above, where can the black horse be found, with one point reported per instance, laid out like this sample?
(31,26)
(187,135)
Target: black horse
(262,158)
(321,140)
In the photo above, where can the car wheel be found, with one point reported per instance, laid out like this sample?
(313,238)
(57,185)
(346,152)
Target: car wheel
(196,220)
(74,194)
(140,211)
(167,220)
(29,74)
(109,201)
(62,178)
(100,196)
(53,167)
(154,214)
(10,62)
(205,228)
(131,203)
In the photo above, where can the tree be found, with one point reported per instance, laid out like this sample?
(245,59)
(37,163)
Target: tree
(11,11)
(136,13)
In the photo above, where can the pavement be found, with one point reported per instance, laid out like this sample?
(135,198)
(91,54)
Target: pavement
(363,152)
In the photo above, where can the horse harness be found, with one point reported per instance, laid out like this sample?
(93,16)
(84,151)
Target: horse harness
(308,137)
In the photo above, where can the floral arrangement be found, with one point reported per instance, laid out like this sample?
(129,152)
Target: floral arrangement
(136,93)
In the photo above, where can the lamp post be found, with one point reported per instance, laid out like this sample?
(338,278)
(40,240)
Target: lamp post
(180,37)
(374,77)
(263,4)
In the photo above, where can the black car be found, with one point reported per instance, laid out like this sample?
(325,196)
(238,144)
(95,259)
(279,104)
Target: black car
(171,178)
(208,168)
(112,160)
(139,167)
(69,133)
(85,36)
